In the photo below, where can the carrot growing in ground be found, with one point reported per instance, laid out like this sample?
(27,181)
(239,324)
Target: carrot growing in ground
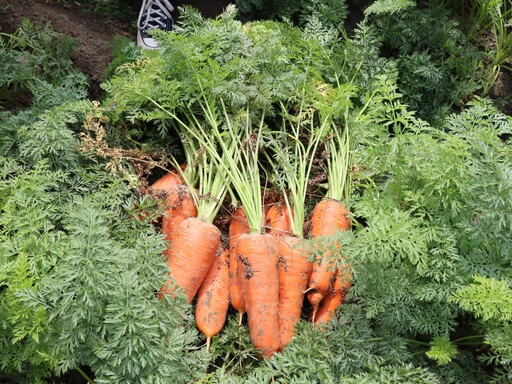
(213,297)
(237,226)
(330,215)
(294,161)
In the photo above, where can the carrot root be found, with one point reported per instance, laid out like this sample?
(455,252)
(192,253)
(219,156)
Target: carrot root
(327,308)
(277,220)
(294,270)
(191,255)
(237,226)
(258,254)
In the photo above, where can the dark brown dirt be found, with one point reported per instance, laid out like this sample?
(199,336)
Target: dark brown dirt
(501,92)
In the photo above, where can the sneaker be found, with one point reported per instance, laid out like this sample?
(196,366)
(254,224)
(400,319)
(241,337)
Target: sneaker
(153,14)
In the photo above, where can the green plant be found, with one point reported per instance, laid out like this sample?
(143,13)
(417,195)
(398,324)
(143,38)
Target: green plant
(428,228)
(439,68)
(481,16)
(37,68)
(430,247)
(78,277)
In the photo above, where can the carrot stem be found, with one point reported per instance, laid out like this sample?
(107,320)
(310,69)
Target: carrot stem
(84,375)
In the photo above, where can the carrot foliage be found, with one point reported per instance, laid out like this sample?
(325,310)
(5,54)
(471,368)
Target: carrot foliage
(245,105)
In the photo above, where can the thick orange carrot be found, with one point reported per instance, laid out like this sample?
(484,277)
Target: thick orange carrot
(294,270)
(213,297)
(259,257)
(191,255)
(237,226)
(169,180)
(277,221)
(328,217)
(334,298)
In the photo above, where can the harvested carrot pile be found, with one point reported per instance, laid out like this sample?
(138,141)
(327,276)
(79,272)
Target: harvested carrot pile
(278,257)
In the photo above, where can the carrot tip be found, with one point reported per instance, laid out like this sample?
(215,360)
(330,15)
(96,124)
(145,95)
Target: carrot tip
(241,316)
(309,289)
(208,342)
(315,308)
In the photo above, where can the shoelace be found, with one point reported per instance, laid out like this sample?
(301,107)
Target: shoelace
(154,13)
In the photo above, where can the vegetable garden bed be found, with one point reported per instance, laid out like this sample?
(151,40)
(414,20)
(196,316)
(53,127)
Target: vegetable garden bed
(120,256)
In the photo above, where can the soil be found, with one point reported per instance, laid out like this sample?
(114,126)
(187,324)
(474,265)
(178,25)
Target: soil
(501,92)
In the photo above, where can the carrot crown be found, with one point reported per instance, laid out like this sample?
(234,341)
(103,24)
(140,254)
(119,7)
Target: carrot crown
(335,107)
(294,147)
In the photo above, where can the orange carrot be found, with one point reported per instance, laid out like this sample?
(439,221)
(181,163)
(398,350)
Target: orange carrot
(294,270)
(213,298)
(180,205)
(169,180)
(237,226)
(166,183)
(328,217)
(191,255)
(334,298)
(258,254)
(277,220)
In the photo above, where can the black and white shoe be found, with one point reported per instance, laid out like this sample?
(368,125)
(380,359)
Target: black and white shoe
(153,14)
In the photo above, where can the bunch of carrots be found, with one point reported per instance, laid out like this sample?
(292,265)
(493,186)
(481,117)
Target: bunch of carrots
(266,276)
(266,270)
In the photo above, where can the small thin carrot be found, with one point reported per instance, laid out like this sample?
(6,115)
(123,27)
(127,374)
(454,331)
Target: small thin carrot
(334,298)
(328,217)
(294,270)
(277,220)
(213,298)
(258,254)
(191,255)
(237,226)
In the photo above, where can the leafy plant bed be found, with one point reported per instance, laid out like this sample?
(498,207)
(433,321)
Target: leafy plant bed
(261,112)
